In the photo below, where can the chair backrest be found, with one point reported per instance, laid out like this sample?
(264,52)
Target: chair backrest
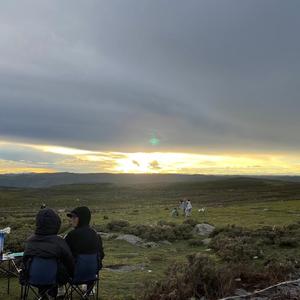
(42,271)
(86,268)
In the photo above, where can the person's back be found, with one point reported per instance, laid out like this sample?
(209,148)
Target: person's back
(45,243)
(188,209)
(189,205)
(83,239)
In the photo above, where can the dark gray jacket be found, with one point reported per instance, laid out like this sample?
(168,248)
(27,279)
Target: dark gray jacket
(46,243)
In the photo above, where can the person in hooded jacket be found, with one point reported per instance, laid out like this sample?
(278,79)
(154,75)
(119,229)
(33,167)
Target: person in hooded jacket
(45,243)
(83,239)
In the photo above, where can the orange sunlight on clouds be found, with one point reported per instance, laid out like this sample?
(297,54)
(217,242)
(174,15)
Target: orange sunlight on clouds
(64,159)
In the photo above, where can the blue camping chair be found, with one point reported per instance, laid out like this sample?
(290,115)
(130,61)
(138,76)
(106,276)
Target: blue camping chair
(86,273)
(41,274)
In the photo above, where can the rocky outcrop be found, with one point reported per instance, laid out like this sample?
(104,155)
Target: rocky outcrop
(131,239)
(136,241)
(107,236)
(203,229)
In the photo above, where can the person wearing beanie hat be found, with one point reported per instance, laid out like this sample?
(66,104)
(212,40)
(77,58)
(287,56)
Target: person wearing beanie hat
(83,239)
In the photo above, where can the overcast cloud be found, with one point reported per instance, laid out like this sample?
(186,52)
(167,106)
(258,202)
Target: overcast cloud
(108,75)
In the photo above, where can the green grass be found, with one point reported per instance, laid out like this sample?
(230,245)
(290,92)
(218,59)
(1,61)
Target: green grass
(250,204)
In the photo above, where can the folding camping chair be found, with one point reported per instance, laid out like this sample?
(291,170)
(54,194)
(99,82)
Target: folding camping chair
(40,279)
(86,274)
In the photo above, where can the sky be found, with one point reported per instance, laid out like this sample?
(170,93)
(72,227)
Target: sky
(150,86)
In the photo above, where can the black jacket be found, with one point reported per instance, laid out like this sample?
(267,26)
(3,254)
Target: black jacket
(46,243)
(83,239)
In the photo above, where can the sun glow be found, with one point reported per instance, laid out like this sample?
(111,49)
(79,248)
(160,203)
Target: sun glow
(158,162)
(188,163)
(53,158)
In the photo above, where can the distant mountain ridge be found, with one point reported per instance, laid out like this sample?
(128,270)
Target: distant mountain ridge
(37,180)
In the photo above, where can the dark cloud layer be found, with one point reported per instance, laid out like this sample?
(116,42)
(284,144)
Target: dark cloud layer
(202,75)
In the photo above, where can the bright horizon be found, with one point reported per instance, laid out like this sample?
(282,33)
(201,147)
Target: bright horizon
(66,159)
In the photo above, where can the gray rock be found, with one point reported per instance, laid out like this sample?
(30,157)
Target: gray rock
(203,229)
(107,236)
(131,239)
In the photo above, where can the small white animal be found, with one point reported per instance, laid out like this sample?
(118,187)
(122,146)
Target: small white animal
(202,209)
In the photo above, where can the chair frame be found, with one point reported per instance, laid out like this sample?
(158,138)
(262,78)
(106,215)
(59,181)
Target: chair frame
(75,287)
(27,288)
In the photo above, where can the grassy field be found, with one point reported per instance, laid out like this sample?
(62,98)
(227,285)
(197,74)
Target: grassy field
(249,203)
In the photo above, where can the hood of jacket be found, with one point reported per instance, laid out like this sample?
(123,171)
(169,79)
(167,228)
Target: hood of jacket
(84,215)
(47,222)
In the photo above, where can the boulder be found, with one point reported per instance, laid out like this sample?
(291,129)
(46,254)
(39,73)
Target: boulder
(107,236)
(131,239)
(203,229)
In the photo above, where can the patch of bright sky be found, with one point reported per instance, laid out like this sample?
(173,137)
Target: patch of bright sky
(82,161)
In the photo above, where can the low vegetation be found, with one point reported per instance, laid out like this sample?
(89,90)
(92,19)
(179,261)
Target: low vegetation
(242,258)
(256,241)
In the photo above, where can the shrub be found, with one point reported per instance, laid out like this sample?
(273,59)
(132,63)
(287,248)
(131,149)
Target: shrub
(191,222)
(117,225)
(196,278)
(287,242)
(183,231)
(100,227)
(165,223)
(158,233)
(156,258)
(236,249)
(202,276)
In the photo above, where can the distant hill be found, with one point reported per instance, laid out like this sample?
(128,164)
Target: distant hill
(35,180)
(206,192)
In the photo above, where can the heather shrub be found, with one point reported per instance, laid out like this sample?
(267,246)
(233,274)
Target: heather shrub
(117,225)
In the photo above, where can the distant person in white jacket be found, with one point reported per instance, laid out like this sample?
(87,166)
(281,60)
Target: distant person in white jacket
(188,209)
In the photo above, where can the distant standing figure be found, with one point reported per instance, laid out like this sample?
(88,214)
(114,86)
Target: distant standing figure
(174,212)
(188,209)
(182,206)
